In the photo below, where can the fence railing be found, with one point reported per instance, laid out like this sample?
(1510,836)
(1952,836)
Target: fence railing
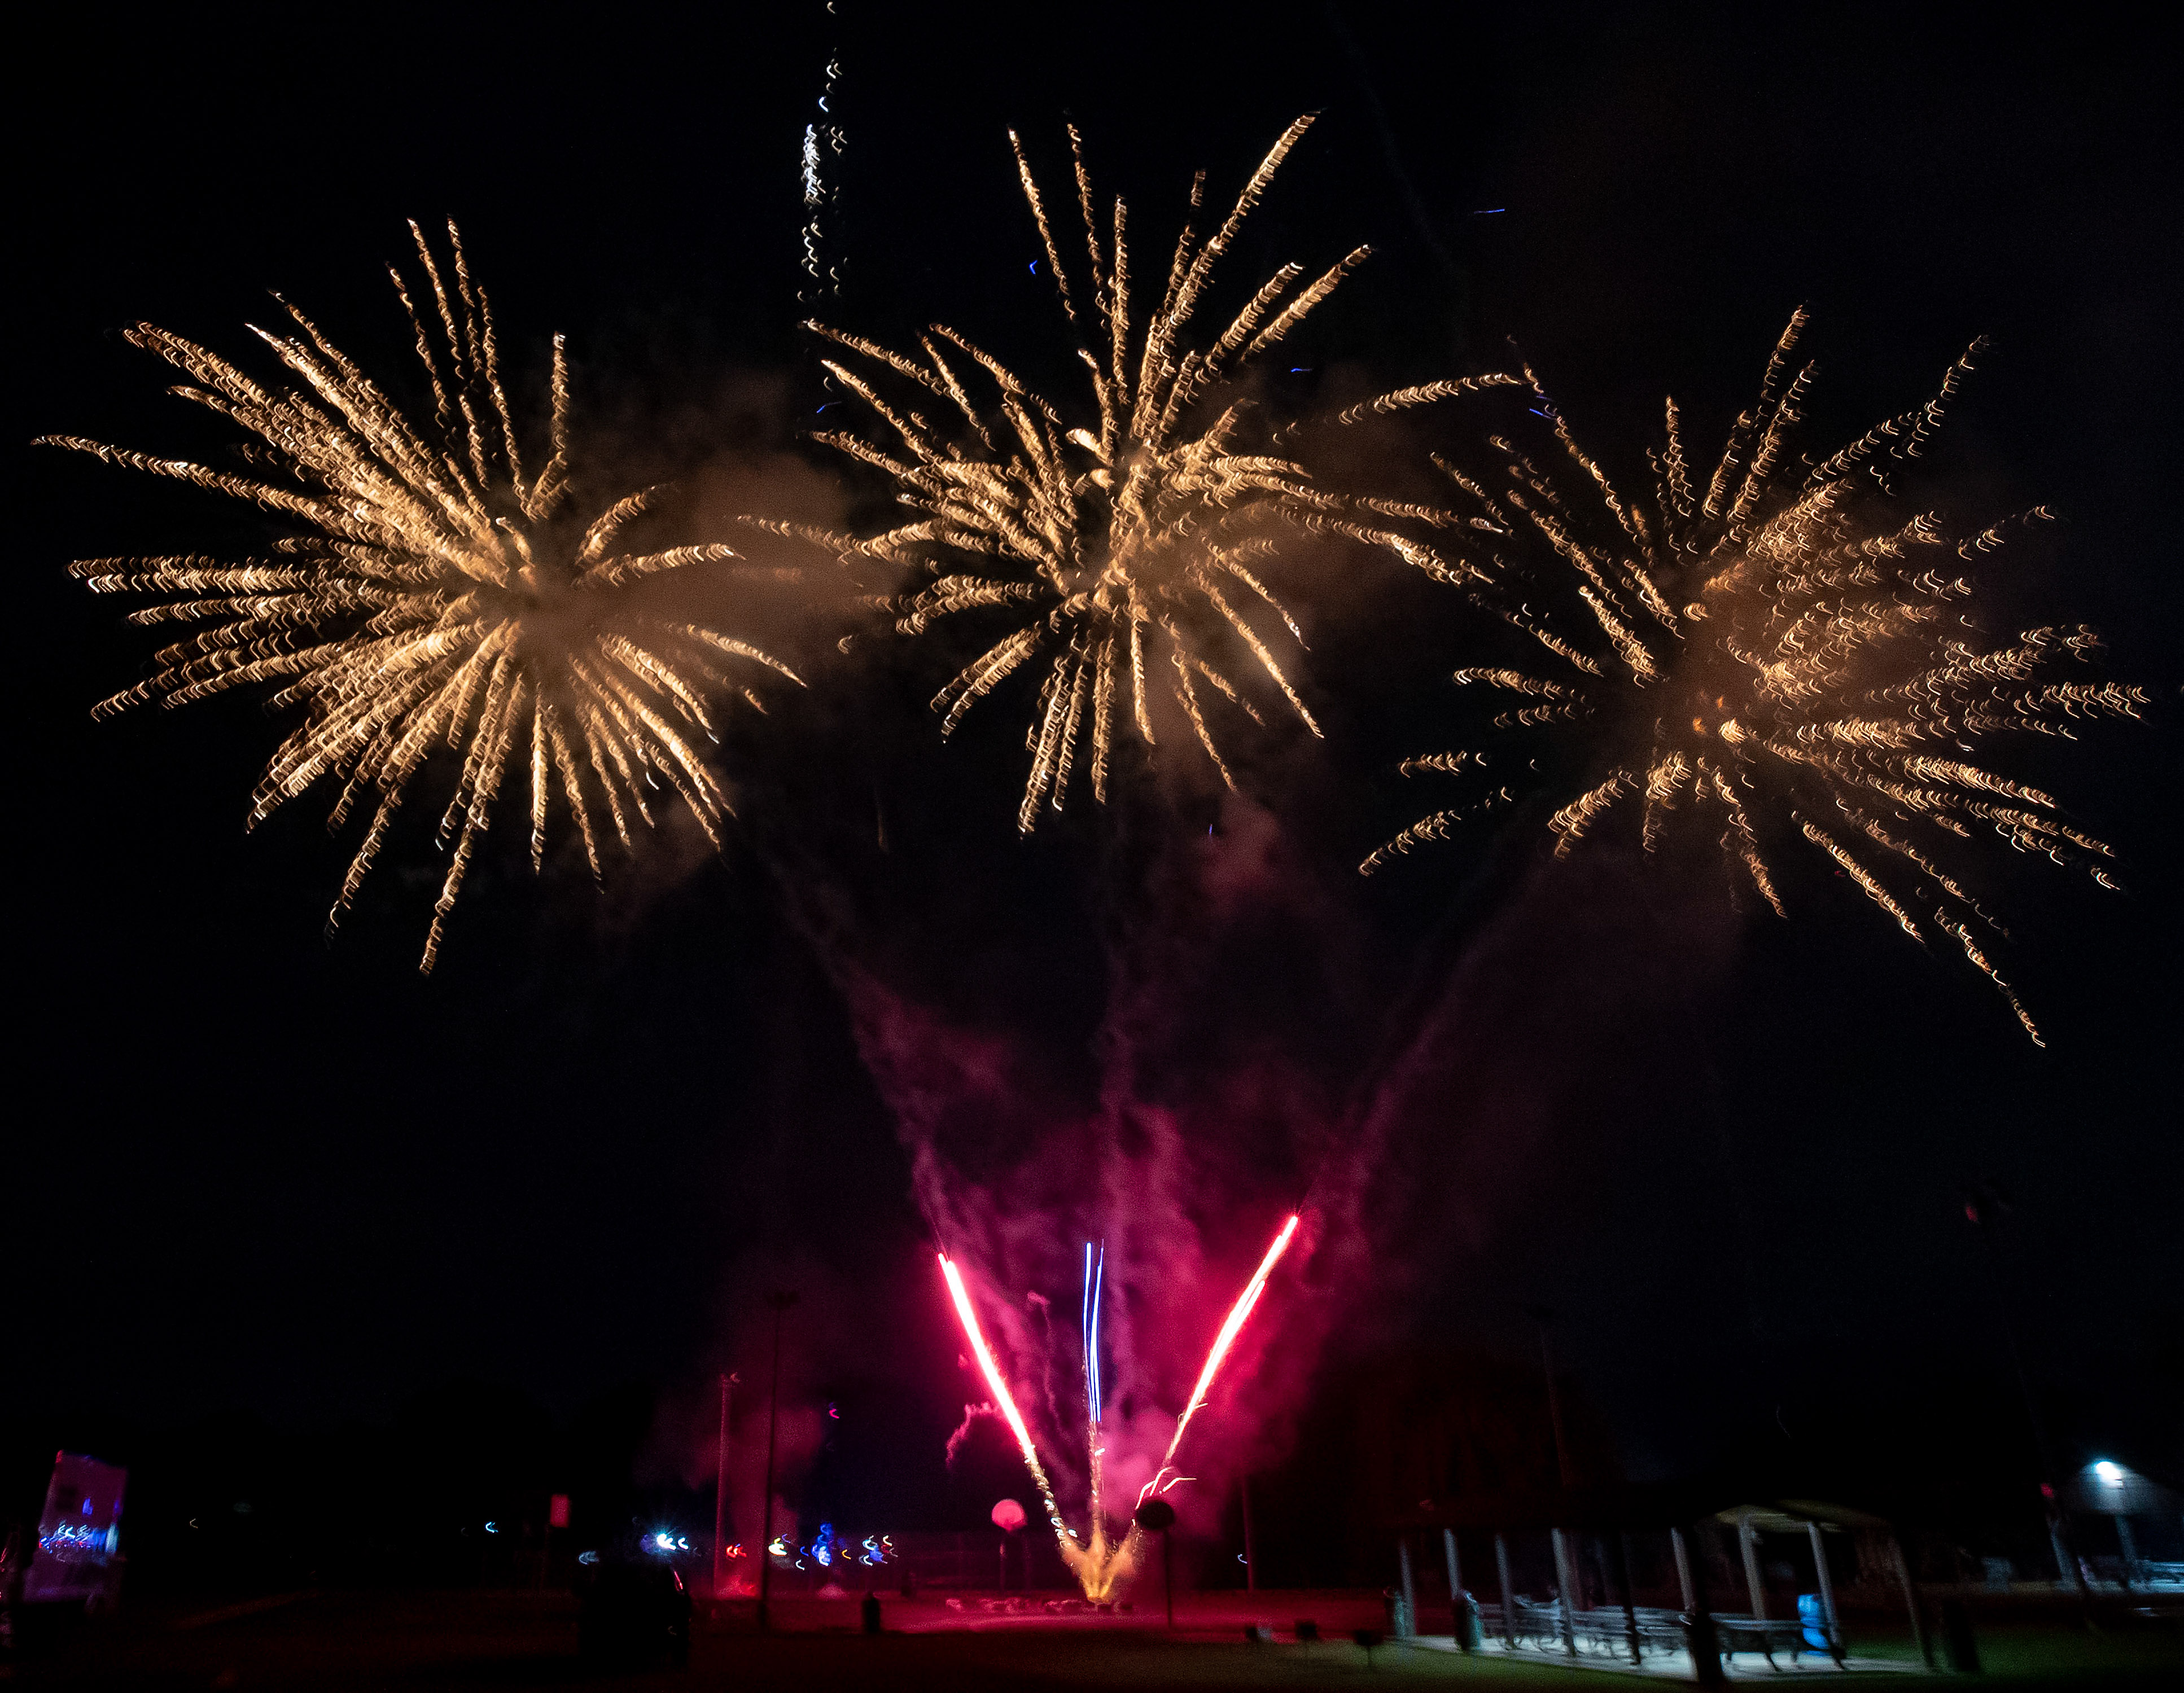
(1539,1626)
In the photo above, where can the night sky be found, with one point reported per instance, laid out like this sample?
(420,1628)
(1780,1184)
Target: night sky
(250,1170)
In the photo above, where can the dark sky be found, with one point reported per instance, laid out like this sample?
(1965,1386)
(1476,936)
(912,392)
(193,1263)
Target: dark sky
(250,1168)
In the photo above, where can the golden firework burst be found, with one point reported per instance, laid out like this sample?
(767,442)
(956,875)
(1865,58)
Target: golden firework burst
(1768,656)
(435,595)
(1130,546)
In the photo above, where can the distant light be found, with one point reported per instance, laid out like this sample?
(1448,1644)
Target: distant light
(2112,1473)
(1489,211)
(492,1527)
(587,1557)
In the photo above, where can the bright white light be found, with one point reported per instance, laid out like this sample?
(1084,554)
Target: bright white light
(2112,1473)
(665,1542)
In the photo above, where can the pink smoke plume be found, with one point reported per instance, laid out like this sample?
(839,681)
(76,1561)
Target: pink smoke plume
(1203,1132)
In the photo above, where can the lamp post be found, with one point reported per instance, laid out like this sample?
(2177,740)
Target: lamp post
(721,1484)
(1983,1205)
(781,1299)
(1157,1516)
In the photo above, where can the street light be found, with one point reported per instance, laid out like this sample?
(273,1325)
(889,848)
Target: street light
(2119,1493)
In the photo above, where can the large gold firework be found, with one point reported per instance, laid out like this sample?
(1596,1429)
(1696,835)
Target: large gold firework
(1130,547)
(1765,656)
(436,596)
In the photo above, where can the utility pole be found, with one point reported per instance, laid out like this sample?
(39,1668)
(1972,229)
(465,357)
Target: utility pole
(1563,1470)
(721,1489)
(780,1300)
(1251,1561)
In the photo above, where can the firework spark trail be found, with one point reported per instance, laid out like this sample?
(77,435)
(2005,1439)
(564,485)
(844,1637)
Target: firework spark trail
(1096,1272)
(824,143)
(998,1385)
(1130,553)
(1239,1314)
(1099,1569)
(1769,653)
(437,597)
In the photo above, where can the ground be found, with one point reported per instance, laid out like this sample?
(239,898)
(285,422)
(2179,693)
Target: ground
(514,1640)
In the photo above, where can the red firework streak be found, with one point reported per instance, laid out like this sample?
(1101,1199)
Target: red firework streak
(992,1371)
(1238,1314)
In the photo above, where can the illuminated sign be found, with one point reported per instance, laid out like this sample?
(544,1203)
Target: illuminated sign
(79,1552)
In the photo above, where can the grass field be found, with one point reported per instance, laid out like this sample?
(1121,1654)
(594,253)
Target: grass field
(354,1640)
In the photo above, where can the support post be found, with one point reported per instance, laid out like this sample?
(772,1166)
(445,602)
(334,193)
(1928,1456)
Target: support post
(1827,1588)
(1619,1561)
(2066,1567)
(1911,1600)
(1699,1636)
(1508,1591)
(1683,1567)
(1565,1574)
(2128,1546)
(1407,1623)
(1454,1590)
(1748,1537)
